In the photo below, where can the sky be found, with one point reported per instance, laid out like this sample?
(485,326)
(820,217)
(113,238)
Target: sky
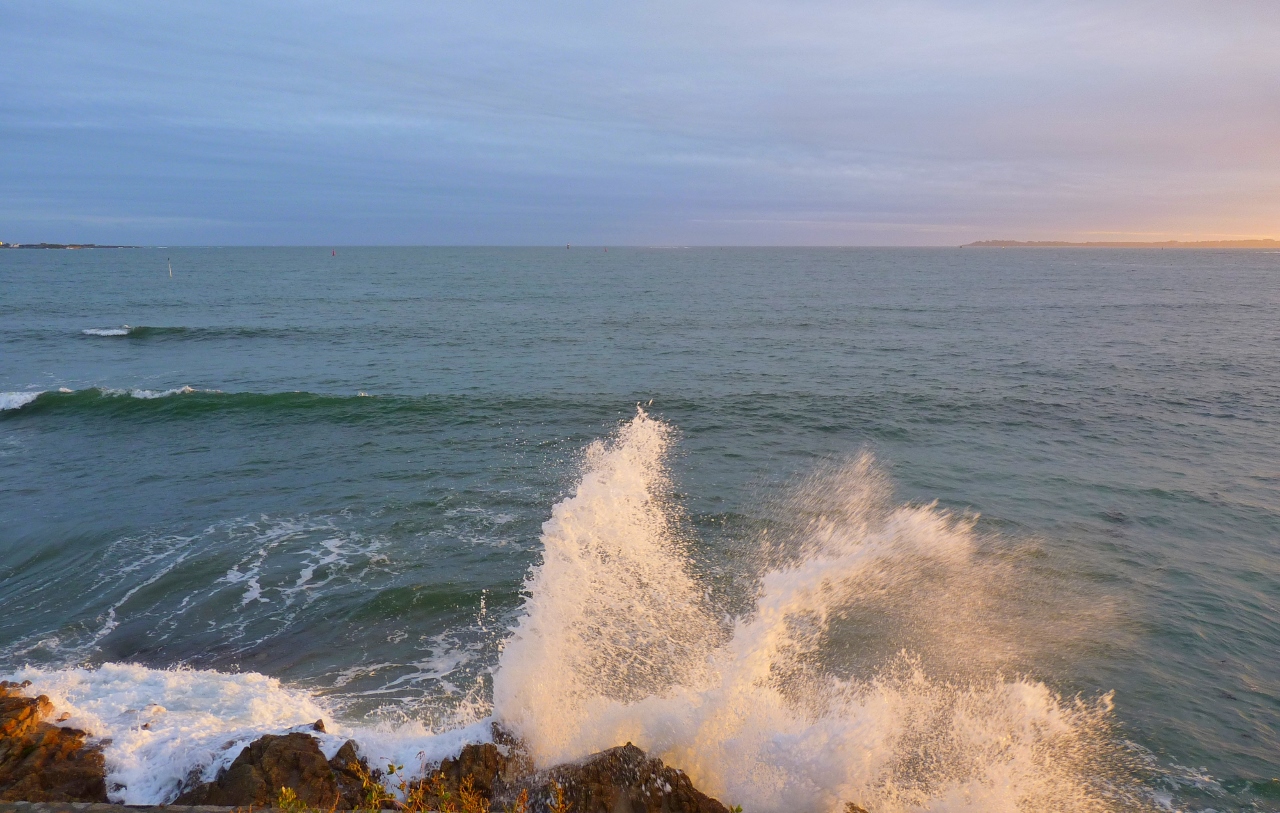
(418,122)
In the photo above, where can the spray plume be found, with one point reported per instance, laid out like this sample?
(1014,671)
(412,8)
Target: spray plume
(618,643)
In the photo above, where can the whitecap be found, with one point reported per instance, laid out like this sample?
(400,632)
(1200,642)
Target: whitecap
(107,331)
(17,400)
(149,394)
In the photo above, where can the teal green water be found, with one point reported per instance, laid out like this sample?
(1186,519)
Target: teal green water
(351,493)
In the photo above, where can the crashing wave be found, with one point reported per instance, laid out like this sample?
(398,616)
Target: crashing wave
(617,644)
(619,641)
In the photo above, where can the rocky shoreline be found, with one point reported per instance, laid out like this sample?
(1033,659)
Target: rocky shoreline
(48,768)
(42,762)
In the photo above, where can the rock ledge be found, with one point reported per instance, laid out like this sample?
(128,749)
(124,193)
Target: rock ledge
(42,762)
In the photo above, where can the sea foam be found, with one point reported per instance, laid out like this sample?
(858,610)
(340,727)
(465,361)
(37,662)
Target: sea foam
(160,726)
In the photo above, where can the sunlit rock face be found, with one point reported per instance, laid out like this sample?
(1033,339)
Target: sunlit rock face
(42,762)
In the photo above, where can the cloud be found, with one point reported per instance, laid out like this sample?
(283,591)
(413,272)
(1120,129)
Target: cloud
(499,122)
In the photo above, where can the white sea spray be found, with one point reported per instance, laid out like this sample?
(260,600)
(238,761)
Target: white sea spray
(616,646)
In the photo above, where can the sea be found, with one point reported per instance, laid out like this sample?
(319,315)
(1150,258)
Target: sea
(935,529)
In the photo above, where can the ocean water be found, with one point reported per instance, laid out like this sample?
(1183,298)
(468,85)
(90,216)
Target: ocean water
(923,529)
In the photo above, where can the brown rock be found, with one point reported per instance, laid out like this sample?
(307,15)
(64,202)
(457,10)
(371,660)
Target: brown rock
(268,764)
(620,780)
(347,767)
(40,762)
(491,768)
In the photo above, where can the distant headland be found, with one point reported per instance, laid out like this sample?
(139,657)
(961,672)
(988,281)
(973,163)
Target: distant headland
(1275,244)
(57,245)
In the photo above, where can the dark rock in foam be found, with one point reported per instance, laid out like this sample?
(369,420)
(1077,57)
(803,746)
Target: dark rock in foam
(619,780)
(276,761)
(41,762)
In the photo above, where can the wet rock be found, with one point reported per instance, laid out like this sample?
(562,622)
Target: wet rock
(268,764)
(347,769)
(41,762)
(491,768)
(488,769)
(619,780)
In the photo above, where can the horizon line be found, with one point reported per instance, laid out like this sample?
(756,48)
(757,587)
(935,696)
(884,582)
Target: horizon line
(1182,244)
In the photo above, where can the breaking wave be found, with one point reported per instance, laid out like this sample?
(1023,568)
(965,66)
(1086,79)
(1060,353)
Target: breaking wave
(618,643)
(117,400)
(155,404)
(17,400)
(64,396)
(867,670)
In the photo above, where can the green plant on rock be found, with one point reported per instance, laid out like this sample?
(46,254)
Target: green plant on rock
(431,794)
(416,797)
(376,796)
(287,800)
(434,789)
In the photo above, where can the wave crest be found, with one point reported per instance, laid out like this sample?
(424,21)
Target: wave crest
(17,400)
(64,396)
